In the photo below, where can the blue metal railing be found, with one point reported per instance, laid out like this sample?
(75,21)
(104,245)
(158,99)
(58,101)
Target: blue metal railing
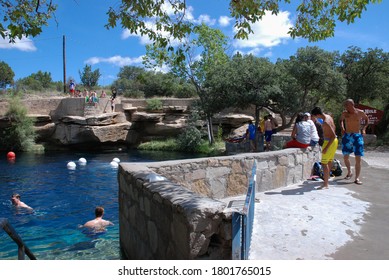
(242,222)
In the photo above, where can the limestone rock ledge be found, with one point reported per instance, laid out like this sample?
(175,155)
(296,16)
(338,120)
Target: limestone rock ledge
(68,121)
(69,134)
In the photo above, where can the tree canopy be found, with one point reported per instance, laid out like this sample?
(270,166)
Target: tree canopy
(6,75)
(24,17)
(88,77)
(205,49)
(163,20)
(366,73)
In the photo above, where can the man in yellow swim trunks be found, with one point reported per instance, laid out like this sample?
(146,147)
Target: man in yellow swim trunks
(330,143)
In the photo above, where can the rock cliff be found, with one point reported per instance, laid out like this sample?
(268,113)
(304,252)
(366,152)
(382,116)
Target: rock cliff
(73,121)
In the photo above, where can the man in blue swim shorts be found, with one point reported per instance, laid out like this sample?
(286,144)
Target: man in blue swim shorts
(353,123)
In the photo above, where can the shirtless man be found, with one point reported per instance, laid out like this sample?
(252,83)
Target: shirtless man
(352,137)
(98,224)
(15,199)
(329,146)
(268,133)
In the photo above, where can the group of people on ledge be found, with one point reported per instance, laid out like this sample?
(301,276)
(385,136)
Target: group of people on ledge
(318,128)
(267,126)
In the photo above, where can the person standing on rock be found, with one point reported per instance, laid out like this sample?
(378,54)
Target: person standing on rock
(72,88)
(352,137)
(268,133)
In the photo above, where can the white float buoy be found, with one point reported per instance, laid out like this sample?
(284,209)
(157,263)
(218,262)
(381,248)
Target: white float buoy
(114,164)
(71,165)
(82,161)
(116,160)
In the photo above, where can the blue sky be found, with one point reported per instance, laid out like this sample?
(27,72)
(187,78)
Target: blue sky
(89,42)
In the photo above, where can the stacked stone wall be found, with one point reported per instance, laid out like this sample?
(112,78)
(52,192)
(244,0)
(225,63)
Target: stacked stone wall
(178,209)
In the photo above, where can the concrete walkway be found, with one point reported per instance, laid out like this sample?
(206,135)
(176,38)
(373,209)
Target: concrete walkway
(346,221)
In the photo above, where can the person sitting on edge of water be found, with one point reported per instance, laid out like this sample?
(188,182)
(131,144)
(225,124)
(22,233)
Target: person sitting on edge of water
(15,199)
(98,224)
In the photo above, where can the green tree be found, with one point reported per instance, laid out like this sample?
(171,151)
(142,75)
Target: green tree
(315,20)
(19,135)
(203,51)
(164,84)
(306,79)
(36,81)
(129,82)
(88,77)
(6,75)
(366,74)
(24,17)
(43,77)
(242,82)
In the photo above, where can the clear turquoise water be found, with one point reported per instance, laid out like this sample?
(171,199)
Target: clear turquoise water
(62,200)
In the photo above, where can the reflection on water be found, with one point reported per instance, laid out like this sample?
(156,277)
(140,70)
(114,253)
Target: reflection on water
(63,199)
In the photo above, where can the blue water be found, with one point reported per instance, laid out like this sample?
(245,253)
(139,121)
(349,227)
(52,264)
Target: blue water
(63,200)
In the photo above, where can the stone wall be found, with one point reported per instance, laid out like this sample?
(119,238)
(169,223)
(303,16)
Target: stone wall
(179,209)
(35,106)
(277,143)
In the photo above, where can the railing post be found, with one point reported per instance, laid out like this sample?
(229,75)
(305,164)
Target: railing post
(242,222)
(22,249)
(236,235)
(21,252)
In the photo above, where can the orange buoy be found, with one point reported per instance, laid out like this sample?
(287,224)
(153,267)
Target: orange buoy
(11,155)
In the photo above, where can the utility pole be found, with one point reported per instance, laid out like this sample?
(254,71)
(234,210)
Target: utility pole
(64,63)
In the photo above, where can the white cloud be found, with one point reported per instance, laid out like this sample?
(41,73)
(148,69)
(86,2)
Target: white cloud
(24,44)
(115,60)
(205,19)
(224,21)
(164,68)
(255,51)
(271,31)
(268,54)
(144,39)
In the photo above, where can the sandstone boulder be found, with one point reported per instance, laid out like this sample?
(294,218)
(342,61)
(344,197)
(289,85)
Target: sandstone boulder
(68,134)
(232,120)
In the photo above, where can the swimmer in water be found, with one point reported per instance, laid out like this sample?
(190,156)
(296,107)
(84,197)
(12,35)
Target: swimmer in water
(98,224)
(15,199)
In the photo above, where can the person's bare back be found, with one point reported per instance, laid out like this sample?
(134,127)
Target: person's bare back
(328,127)
(98,224)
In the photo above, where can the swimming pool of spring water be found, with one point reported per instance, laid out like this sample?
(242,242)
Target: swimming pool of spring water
(62,201)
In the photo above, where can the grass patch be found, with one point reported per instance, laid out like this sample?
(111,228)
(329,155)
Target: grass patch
(160,145)
(172,145)
(217,149)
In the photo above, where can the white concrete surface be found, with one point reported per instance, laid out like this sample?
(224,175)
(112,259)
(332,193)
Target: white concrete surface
(299,222)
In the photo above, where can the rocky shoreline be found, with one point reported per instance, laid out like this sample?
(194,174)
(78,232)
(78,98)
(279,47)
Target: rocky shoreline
(73,122)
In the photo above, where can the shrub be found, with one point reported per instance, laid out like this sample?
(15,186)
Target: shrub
(190,139)
(20,134)
(154,104)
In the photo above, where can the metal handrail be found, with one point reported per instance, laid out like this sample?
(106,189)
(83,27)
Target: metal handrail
(22,248)
(242,221)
